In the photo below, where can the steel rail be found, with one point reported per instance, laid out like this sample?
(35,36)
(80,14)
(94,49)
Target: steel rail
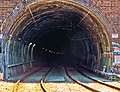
(43,79)
(16,86)
(98,81)
(80,83)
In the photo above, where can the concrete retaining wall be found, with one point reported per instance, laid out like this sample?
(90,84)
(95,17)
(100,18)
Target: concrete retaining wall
(14,70)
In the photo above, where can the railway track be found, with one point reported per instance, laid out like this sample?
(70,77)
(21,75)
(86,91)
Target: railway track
(16,86)
(98,81)
(44,84)
(80,83)
(66,74)
(99,85)
(41,80)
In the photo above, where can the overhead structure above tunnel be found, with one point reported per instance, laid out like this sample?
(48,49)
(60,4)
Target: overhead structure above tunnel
(53,33)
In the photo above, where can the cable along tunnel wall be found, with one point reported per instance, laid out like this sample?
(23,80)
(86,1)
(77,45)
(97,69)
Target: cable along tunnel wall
(53,33)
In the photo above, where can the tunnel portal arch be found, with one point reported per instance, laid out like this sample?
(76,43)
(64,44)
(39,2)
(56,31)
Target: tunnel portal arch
(57,31)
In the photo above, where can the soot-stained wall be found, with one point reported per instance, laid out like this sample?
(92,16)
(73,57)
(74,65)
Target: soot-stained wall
(58,33)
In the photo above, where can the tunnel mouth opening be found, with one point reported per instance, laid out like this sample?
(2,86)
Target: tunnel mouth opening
(61,38)
(63,33)
(57,33)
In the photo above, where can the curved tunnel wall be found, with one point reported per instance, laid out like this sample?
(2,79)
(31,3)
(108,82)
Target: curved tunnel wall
(60,33)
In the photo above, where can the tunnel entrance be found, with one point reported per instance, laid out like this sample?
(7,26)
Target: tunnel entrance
(56,33)
(62,39)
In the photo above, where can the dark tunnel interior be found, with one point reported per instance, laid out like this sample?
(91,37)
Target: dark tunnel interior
(55,33)
(61,39)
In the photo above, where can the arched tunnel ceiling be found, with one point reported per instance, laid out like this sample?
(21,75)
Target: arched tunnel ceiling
(62,26)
